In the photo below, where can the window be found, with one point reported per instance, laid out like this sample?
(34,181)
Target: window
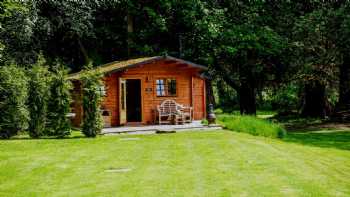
(102,90)
(160,87)
(166,87)
(171,87)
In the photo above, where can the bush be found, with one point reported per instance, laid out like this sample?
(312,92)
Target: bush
(225,96)
(204,122)
(59,104)
(92,118)
(252,125)
(39,80)
(286,98)
(218,111)
(13,95)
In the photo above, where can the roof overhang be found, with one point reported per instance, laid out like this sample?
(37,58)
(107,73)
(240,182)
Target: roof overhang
(118,66)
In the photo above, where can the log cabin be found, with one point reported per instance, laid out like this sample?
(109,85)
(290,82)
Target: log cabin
(134,88)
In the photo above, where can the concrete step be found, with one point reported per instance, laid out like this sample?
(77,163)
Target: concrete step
(158,129)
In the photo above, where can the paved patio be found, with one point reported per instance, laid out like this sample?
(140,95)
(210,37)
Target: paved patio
(151,129)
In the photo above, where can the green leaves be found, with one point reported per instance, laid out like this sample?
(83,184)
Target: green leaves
(92,117)
(58,124)
(13,96)
(39,84)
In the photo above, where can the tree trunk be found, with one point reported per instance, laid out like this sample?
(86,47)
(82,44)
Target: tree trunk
(314,101)
(344,83)
(342,110)
(247,99)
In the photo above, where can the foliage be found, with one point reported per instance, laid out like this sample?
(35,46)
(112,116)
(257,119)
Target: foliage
(225,96)
(218,111)
(317,55)
(17,19)
(204,122)
(39,86)
(59,103)
(285,98)
(253,46)
(92,117)
(247,57)
(13,95)
(252,125)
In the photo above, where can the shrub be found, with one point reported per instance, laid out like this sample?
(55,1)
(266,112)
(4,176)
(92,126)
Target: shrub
(92,119)
(252,125)
(13,95)
(286,98)
(204,122)
(39,79)
(218,111)
(59,104)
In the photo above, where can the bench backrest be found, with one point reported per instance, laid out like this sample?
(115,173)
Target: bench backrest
(168,107)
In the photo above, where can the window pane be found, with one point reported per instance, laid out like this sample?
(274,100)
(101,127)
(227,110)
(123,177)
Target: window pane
(160,87)
(101,90)
(171,87)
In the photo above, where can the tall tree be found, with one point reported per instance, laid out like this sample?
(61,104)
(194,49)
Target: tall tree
(16,32)
(317,59)
(338,26)
(13,95)
(59,103)
(39,80)
(245,60)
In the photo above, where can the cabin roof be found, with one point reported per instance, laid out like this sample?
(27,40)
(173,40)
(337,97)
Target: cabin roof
(122,65)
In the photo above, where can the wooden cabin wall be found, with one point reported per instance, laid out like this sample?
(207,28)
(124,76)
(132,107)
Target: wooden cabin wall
(110,101)
(190,89)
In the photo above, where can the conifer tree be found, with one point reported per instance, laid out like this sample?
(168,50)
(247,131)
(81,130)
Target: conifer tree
(13,95)
(59,104)
(39,83)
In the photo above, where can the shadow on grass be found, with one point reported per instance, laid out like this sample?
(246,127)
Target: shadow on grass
(44,138)
(75,134)
(325,139)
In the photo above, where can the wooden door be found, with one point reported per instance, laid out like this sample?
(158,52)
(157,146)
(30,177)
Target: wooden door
(122,101)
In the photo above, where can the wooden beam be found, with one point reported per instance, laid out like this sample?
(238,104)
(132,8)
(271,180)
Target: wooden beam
(179,65)
(169,61)
(192,99)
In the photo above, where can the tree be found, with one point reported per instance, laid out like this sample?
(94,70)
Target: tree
(316,58)
(17,32)
(245,60)
(39,80)
(13,95)
(59,103)
(92,117)
(338,23)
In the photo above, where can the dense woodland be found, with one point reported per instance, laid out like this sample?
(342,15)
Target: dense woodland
(289,56)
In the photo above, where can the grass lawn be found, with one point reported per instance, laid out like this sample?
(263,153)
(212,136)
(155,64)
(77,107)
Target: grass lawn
(220,163)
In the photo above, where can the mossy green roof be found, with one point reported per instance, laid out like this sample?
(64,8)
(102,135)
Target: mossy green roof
(120,65)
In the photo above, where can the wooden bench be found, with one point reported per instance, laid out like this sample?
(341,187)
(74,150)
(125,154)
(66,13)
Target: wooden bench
(186,113)
(170,112)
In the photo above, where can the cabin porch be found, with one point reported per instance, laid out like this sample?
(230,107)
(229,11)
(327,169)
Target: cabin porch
(151,129)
